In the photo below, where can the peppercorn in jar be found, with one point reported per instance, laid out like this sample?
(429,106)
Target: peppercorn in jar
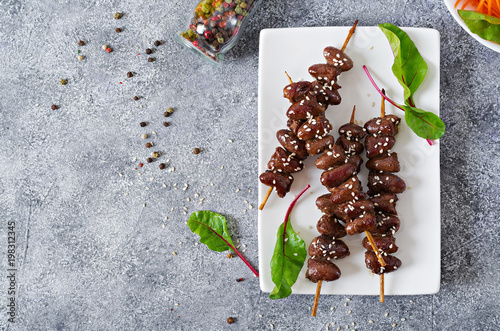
(216,26)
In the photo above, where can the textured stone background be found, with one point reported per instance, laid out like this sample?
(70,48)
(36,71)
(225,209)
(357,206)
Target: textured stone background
(91,257)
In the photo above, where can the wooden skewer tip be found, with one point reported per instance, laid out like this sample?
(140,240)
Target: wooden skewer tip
(353,114)
(265,198)
(382,298)
(316,298)
(349,35)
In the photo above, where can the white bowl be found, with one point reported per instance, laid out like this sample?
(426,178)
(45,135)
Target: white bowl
(454,12)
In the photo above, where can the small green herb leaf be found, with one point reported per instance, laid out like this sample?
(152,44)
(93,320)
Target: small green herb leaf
(288,258)
(409,66)
(212,229)
(425,124)
(485,26)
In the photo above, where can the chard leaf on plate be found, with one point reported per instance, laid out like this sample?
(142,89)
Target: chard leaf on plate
(409,66)
(485,26)
(425,124)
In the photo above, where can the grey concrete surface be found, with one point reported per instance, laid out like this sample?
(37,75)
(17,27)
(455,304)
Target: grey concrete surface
(91,257)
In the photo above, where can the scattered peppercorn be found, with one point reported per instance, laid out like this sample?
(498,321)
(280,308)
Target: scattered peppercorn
(148,51)
(229,255)
(136,98)
(130,74)
(144,136)
(149,145)
(81,43)
(80,57)
(151,59)
(157,43)
(118,30)
(141,165)
(143,124)
(166,124)
(118,16)
(162,166)
(230,320)
(64,82)
(170,110)
(196,151)
(166,114)
(109,49)
(54,107)
(104,47)
(149,160)
(155,155)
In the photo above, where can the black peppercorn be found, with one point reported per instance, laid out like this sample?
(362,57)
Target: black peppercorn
(151,59)
(148,51)
(129,74)
(196,151)
(54,107)
(230,320)
(149,160)
(166,114)
(118,30)
(162,166)
(149,145)
(143,124)
(136,98)
(166,124)
(157,43)
(81,43)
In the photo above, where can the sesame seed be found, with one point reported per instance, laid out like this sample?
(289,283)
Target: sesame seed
(174,253)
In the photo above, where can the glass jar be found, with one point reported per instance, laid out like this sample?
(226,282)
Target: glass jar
(216,26)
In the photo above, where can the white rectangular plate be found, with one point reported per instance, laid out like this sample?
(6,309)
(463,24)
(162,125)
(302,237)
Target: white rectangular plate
(419,238)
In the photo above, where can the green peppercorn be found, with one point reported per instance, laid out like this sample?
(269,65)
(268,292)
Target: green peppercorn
(155,155)
(117,16)
(64,82)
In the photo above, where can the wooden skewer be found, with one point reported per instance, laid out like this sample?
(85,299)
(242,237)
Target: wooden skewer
(268,194)
(382,105)
(382,288)
(382,299)
(349,35)
(368,234)
(352,114)
(265,198)
(316,298)
(318,287)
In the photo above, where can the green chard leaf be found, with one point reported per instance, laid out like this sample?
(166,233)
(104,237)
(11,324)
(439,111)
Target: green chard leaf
(425,124)
(212,229)
(288,258)
(409,66)
(485,26)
